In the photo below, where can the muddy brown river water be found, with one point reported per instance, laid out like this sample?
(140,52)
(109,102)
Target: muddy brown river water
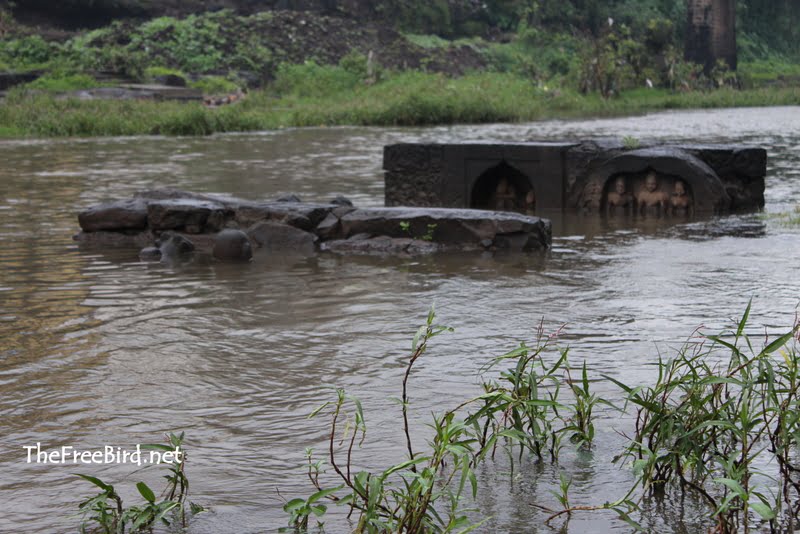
(97,348)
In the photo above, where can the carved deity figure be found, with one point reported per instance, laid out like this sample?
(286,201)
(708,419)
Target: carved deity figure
(620,196)
(679,200)
(505,196)
(530,202)
(651,196)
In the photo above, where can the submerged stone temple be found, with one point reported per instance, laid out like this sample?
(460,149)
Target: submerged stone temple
(595,175)
(441,197)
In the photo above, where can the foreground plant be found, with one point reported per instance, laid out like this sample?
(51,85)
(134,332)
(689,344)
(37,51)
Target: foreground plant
(525,406)
(727,431)
(403,497)
(105,512)
(426,492)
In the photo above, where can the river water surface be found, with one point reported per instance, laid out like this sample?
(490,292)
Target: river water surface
(97,348)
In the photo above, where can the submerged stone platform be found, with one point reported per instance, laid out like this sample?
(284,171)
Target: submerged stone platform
(168,223)
(590,175)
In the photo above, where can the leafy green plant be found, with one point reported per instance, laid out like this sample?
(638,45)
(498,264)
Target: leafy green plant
(425,492)
(422,493)
(711,428)
(405,227)
(630,142)
(56,82)
(106,512)
(214,85)
(430,229)
(525,408)
(27,52)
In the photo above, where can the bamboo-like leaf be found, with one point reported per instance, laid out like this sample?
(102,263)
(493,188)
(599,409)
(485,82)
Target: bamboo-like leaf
(743,322)
(144,518)
(778,343)
(734,486)
(97,482)
(323,493)
(766,513)
(420,332)
(146,492)
(318,409)
(404,465)
(319,510)
(157,447)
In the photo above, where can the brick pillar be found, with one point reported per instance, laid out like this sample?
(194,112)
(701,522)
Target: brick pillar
(711,32)
(723,41)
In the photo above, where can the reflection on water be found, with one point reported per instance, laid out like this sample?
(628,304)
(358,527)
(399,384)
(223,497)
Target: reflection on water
(97,348)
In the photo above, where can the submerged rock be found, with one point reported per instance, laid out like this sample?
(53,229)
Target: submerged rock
(150,254)
(232,245)
(120,215)
(450,228)
(288,197)
(381,246)
(173,247)
(277,237)
(187,222)
(341,200)
(188,214)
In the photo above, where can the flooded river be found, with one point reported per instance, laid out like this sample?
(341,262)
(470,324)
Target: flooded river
(97,348)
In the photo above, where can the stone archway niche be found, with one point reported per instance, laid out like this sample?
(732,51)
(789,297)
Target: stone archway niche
(503,188)
(669,166)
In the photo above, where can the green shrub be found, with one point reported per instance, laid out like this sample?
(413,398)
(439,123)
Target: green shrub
(62,82)
(151,73)
(192,44)
(26,51)
(214,85)
(313,80)
(427,41)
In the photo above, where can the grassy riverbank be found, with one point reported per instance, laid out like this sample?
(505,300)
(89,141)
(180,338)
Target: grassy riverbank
(330,97)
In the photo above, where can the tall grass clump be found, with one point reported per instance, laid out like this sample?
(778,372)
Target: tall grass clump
(523,412)
(310,79)
(724,428)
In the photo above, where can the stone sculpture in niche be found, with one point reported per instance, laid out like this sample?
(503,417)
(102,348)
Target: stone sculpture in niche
(680,200)
(505,196)
(530,202)
(620,196)
(650,196)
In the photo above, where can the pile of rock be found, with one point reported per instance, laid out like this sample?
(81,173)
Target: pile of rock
(167,224)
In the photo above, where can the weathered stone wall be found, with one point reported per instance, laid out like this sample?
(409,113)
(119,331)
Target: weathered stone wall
(171,223)
(532,177)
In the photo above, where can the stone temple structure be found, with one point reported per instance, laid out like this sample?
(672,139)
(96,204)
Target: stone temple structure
(591,175)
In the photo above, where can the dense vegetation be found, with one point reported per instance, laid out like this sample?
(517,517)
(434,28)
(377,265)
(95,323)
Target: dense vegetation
(720,423)
(500,60)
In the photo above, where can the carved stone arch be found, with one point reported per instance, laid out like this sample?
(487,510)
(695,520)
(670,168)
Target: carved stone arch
(707,189)
(484,187)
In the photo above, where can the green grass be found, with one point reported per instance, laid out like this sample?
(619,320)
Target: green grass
(789,219)
(337,98)
(762,72)
(428,41)
(214,85)
(57,83)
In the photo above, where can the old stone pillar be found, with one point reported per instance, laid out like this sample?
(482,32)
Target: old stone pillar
(711,32)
